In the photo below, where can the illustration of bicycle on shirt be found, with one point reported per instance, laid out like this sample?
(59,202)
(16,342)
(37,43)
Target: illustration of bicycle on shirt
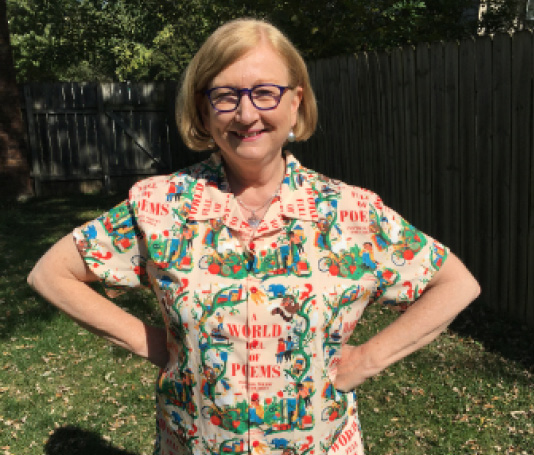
(225,264)
(344,264)
(404,252)
(334,411)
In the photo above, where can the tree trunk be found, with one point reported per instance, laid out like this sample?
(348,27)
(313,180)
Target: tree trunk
(14,169)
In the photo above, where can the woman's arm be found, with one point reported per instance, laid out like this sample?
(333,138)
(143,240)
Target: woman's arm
(60,276)
(451,289)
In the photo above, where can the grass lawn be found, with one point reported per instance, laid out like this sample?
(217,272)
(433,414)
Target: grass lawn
(65,392)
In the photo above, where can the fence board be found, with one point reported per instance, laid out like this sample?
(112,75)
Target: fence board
(348,121)
(397,155)
(424,139)
(438,132)
(104,136)
(320,146)
(502,63)
(529,206)
(32,138)
(377,157)
(364,146)
(412,208)
(387,114)
(451,171)
(468,160)
(484,150)
(330,103)
(521,140)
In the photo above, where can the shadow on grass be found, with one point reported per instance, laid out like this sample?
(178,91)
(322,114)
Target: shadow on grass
(497,334)
(72,440)
(27,230)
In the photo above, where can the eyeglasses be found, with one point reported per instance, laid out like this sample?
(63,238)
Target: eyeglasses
(264,97)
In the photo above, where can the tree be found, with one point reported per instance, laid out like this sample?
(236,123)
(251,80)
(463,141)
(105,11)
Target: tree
(154,39)
(100,40)
(14,170)
(504,16)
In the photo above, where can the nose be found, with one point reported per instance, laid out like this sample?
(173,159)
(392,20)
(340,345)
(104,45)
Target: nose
(246,112)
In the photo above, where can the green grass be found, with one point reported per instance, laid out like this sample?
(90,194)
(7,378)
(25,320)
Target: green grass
(64,391)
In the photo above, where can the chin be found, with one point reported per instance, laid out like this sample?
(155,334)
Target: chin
(252,153)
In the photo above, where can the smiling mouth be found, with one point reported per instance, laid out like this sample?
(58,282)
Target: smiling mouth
(248,135)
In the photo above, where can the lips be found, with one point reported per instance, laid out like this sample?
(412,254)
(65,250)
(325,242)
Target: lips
(248,134)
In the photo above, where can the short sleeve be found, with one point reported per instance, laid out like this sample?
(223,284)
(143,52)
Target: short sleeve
(112,247)
(406,258)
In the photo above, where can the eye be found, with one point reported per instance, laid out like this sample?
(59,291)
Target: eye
(224,95)
(265,91)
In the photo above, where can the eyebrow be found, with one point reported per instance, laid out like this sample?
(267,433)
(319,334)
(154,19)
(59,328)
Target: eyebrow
(259,82)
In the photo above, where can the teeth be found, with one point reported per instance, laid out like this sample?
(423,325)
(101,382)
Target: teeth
(248,134)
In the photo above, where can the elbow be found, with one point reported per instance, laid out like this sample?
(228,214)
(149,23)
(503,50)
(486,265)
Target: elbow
(476,289)
(38,277)
(470,289)
(31,280)
(34,278)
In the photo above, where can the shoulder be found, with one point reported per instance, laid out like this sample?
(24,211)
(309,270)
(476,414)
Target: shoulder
(341,195)
(173,185)
(331,188)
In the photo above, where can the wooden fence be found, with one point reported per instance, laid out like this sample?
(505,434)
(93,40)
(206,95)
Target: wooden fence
(443,132)
(95,135)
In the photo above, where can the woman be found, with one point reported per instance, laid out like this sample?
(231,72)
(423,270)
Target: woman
(253,249)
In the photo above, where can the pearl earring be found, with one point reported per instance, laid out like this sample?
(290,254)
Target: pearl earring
(291,136)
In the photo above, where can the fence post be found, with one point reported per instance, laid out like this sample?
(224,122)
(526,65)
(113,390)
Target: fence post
(174,141)
(103,132)
(32,140)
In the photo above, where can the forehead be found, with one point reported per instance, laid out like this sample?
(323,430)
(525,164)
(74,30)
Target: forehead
(260,64)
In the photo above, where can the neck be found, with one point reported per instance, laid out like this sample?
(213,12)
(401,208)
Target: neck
(254,184)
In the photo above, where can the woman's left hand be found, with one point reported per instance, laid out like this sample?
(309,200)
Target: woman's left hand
(353,369)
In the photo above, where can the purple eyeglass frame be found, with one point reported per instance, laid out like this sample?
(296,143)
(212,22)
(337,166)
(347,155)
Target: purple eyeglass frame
(248,92)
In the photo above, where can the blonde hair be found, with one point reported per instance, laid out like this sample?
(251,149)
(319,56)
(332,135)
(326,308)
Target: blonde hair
(227,44)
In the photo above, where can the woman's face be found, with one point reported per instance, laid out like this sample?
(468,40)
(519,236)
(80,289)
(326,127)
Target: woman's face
(249,134)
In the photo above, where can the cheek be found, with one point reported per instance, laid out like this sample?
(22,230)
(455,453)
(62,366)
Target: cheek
(214,123)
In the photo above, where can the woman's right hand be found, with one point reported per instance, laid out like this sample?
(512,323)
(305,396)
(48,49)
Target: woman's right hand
(157,352)
(61,277)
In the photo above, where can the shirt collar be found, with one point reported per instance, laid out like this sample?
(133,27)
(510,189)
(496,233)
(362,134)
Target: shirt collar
(212,197)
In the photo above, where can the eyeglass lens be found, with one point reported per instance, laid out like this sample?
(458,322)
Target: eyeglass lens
(262,97)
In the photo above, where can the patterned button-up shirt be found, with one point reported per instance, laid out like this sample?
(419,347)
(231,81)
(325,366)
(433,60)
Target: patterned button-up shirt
(256,319)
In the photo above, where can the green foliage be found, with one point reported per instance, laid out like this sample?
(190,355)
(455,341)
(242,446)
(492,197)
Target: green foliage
(154,39)
(502,16)
(330,28)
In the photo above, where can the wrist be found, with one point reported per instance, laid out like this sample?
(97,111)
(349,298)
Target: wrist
(155,346)
(370,363)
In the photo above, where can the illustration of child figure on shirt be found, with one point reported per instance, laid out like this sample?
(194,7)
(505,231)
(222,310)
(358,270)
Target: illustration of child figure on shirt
(256,411)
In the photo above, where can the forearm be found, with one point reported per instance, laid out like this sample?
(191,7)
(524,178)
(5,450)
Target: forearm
(59,277)
(89,309)
(418,326)
(448,294)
